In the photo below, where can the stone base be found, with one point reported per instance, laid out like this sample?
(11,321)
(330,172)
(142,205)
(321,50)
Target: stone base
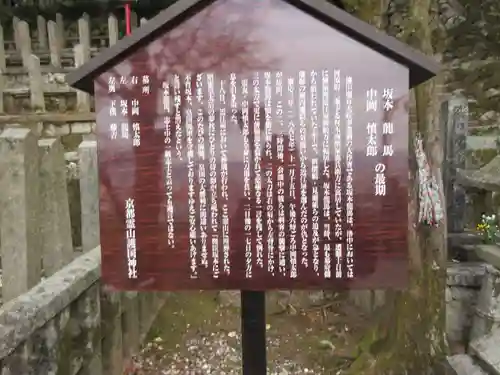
(489,253)
(461,364)
(487,351)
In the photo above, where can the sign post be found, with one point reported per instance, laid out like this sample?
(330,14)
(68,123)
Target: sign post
(238,151)
(253,332)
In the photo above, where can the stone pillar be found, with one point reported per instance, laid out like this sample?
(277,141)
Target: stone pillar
(112,340)
(60,31)
(455,118)
(56,245)
(2,85)
(487,314)
(17,43)
(113,29)
(82,98)
(131,326)
(88,312)
(3,63)
(42,32)
(23,32)
(54,44)
(84,35)
(89,194)
(36,84)
(134,20)
(19,216)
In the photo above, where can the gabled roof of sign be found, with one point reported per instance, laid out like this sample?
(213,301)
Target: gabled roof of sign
(420,66)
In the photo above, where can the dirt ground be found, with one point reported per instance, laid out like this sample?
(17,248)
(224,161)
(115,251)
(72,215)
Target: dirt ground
(199,334)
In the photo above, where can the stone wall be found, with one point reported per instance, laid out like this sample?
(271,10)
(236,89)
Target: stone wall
(57,318)
(69,324)
(462,290)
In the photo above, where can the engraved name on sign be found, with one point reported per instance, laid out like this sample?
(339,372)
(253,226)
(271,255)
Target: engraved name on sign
(290,172)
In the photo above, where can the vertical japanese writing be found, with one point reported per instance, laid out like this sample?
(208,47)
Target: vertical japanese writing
(292,221)
(380,182)
(349,182)
(202,178)
(314,171)
(167,132)
(388,99)
(387,148)
(178,114)
(146,85)
(303,170)
(327,271)
(337,144)
(280,151)
(224,194)
(193,235)
(124,130)
(130,238)
(124,111)
(259,248)
(124,107)
(168,166)
(136,129)
(269,173)
(135,107)
(213,176)
(113,127)
(111,84)
(246,178)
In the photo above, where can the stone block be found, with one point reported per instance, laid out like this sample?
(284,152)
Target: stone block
(81,128)
(462,364)
(487,351)
(111,328)
(23,33)
(19,213)
(466,274)
(113,29)
(2,50)
(460,304)
(131,328)
(487,311)
(89,194)
(41,31)
(489,253)
(22,316)
(37,97)
(54,44)
(56,245)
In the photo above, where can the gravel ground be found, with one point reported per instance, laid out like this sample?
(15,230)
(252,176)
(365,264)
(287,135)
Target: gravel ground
(196,335)
(213,354)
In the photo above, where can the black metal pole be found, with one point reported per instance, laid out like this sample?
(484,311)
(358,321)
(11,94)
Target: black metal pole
(253,332)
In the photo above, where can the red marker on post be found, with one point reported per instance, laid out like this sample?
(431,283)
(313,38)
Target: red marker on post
(127,19)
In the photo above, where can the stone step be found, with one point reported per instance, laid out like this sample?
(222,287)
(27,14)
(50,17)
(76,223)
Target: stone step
(463,364)
(487,351)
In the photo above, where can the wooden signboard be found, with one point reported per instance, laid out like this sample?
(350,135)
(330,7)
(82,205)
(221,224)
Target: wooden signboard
(253,148)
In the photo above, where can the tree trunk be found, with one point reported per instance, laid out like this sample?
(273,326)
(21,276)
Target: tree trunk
(408,336)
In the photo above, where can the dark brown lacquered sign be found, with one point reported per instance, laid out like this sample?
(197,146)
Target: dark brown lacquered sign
(253,149)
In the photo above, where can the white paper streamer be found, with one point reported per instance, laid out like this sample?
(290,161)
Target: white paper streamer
(430,206)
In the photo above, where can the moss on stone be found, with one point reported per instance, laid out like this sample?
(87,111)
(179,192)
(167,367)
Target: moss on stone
(478,158)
